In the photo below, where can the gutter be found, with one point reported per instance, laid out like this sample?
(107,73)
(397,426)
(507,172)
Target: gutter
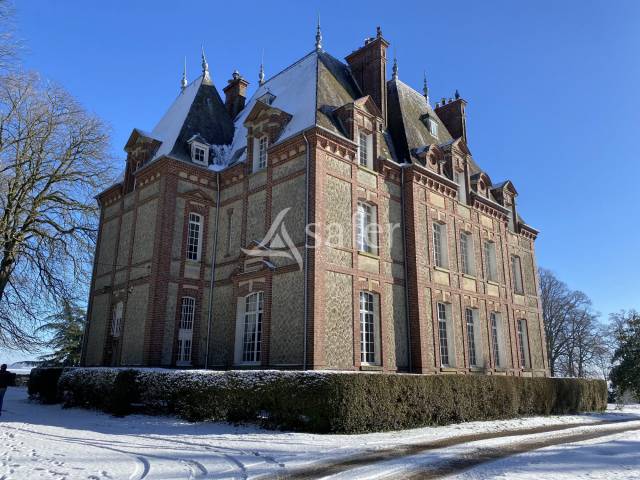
(306,253)
(213,272)
(406,264)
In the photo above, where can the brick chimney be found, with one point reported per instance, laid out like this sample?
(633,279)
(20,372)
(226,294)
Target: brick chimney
(235,94)
(369,68)
(453,116)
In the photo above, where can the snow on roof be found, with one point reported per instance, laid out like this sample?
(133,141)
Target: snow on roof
(295,93)
(169,126)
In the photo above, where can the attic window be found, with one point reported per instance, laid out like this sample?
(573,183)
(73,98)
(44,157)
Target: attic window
(200,153)
(267,98)
(433,127)
(365,149)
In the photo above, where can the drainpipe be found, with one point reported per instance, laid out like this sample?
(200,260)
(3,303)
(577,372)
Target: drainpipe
(406,267)
(306,253)
(213,271)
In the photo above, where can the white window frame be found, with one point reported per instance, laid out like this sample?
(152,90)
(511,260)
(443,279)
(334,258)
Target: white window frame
(467,254)
(366,231)
(260,153)
(365,149)
(433,127)
(249,329)
(474,344)
(523,341)
(497,347)
(200,150)
(516,273)
(440,245)
(369,328)
(194,237)
(490,265)
(445,335)
(185,330)
(116,319)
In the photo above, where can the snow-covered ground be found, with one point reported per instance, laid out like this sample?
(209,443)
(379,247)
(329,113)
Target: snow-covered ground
(48,442)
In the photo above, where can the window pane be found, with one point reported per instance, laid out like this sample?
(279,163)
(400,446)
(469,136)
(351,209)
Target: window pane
(466,253)
(490,261)
(367,328)
(494,339)
(522,338)
(363,149)
(187,313)
(442,330)
(517,274)
(251,340)
(193,237)
(262,152)
(471,338)
(437,245)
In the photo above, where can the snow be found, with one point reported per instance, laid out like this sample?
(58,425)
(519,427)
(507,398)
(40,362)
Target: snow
(48,442)
(295,93)
(168,128)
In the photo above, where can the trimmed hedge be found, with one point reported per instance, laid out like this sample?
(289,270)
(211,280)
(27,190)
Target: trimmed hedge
(327,401)
(43,384)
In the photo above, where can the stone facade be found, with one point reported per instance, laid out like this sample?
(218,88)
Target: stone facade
(311,315)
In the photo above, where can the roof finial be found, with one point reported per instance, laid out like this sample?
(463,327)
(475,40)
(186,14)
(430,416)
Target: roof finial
(378,32)
(206,79)
(261,73)
(425,88)
(457,94)
(318,36)
(394,70)
(184,82)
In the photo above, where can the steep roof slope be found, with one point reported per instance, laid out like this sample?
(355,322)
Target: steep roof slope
(406,110)
(198,109)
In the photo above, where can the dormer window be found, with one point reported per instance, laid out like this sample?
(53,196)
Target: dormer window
(365,149)
(260,147)
(267,98)
(200,153)
(433,127)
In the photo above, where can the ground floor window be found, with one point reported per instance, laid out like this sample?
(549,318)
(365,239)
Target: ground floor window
(252,328)
(185,330)
(471,318)
(447,357)
(496,338)
(369,329)
(524,343)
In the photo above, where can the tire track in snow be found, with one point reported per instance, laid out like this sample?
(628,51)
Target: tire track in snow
(361,459)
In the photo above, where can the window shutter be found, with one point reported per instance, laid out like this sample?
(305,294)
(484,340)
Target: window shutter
(256,153)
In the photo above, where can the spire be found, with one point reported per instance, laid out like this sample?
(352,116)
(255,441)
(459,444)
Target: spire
(457,94)
(318,36)
(425,88)
(394,74)
(184,82)
(261,72)
(206,78)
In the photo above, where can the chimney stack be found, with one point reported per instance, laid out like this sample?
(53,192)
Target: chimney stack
(453,116)
(369,67)
(235,94)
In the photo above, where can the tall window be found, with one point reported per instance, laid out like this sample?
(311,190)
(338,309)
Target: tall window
(116,320)
(440,245)
(524,343)
(458,177)
(466,254)
(490,261)
(365,149)
(194,237)
(263,144)
(446,353)
(252,337)
(494,319)
(185,331)
(470,317)
(365,228)
(369,350)
(516,272)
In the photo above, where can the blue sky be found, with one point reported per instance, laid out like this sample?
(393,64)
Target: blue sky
(552,90)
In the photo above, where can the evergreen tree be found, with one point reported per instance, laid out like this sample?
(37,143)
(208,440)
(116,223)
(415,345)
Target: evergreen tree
(625,374)
(67,328)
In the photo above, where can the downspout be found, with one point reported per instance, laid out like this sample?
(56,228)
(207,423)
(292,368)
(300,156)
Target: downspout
(406,267)
(306,253)
(213,271)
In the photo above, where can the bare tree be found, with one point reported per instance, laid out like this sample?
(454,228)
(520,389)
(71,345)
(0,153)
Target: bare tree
(8,43)
(52,163)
